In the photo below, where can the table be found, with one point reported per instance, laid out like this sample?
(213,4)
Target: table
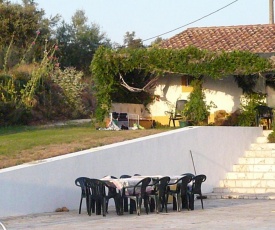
(123,184)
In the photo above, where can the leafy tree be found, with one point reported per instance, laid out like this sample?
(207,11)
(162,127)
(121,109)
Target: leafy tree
(21,23)
(157,41)
(78,42)
(131,42)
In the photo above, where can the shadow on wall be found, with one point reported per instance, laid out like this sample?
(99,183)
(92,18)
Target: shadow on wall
(229,93)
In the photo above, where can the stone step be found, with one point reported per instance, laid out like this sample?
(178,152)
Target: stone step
(256,160)
(254,168)
(254,175)
(231,195)
(244,190)
(262,146)
(254,183)
(261,140)
(251,175)
(260,153)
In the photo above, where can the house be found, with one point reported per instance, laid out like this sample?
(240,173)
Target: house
(225,93)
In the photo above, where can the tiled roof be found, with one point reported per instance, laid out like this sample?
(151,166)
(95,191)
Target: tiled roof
(253,38)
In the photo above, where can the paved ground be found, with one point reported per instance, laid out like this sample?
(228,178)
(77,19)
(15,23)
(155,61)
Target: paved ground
(218,214)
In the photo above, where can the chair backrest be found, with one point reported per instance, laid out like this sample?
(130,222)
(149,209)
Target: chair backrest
(183,182)
(162,185)
(125,176)
(197,181)
(189,174)
(179,107)
(115,115)
(123,117)
(80,182)
(96,188)
(141,185)
(264,111)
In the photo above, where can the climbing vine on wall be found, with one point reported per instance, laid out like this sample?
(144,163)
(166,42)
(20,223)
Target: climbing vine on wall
(108,65)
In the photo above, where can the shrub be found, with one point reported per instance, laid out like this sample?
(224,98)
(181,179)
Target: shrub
(271,137)
(196,110)
(70,81)
(248,112)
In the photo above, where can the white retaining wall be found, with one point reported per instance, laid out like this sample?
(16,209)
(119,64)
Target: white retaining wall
(46,185)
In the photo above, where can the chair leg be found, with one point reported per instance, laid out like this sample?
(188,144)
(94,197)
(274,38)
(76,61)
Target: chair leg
(201,201)
(79,212)
(92,205)
(104,202)
(157,204)
(107,202)
(187,201)
(178,202)
(184,201)
(138,204)
(117,204)
(133,206)
(191,201)
(146,204)
(166,202)
(120,204)
(98,207)
(152,204)
(125,204)
(89,205)
(160,204)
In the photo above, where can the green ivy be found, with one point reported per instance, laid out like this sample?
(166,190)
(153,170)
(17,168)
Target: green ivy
(196,111)
(247,106)
(107,64)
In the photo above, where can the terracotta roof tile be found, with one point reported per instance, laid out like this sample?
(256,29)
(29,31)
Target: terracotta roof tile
(253,38)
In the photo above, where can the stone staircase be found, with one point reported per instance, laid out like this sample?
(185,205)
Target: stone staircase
(254,175)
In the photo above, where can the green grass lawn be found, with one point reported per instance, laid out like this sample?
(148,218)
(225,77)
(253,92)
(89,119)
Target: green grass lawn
(25,144)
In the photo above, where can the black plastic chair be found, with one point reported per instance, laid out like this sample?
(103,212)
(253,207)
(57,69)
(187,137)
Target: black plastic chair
(186,200)
(266,113)
(159,193)
(96,192)
(177,114)
(196,189)
(112,193)
(125,200)
(80,182)
(180,191)
(139,193)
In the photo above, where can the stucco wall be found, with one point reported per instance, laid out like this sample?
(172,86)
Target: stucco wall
(224,93)
(44,186)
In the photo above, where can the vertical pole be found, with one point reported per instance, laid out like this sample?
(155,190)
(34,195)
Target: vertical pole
(193,162)
(271,12)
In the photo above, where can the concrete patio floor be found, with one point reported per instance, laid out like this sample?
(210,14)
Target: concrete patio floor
(218,214)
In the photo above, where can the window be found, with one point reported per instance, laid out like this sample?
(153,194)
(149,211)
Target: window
(186,84)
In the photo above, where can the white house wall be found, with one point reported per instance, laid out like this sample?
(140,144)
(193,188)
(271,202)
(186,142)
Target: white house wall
(43,186)
(270,97)
(224,93)
(170,90)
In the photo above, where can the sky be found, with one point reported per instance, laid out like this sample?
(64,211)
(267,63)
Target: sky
(150,18)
